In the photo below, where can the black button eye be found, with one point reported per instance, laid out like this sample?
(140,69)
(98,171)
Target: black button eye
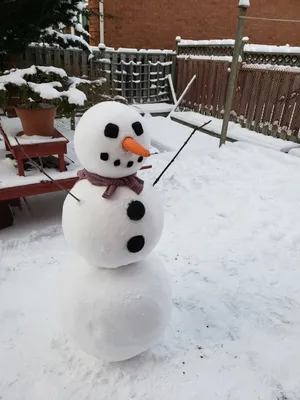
(111,131)
(138,128)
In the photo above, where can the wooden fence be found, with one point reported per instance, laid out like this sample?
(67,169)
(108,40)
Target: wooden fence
(267,97)
(139,76)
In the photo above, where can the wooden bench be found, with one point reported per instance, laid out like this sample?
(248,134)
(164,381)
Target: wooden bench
(57,145)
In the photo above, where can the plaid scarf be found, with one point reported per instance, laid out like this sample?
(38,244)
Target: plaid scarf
(132,182)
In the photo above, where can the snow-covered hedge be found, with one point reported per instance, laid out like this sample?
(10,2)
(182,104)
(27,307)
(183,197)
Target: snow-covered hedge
(38,84)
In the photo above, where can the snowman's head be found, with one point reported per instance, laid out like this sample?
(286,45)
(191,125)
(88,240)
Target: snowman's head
(111,140)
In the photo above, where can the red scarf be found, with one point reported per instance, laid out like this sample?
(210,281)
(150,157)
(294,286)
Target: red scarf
(132,182)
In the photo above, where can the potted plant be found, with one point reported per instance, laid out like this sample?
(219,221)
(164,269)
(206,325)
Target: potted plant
(38,93)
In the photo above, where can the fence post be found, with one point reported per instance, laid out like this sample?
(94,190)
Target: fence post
(243,6)
(174,66)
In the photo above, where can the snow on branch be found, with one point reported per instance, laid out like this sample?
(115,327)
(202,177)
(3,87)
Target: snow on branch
(81,6)
(80,29)
(49,90)
(66,39)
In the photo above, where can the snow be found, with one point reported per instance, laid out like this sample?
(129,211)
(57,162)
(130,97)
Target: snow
(231,245)
(77,81)
(79,28)
(244,3)
(45,90)
(107,300)
(8,172)
(259,48)
(68,37)
(16,77)
(102,47)
(152,51)
(295,151)
(167,135)
(212,58)
(235,131)
(104,60)
(101,221)
(82,5)
(222,42)
(75,96)
(13,126)
(253,48)
(90,137)
(59,71)
(272,67)
(162,63)
(48,91)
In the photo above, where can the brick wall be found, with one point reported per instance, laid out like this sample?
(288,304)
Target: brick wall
(94,27)
(156,23)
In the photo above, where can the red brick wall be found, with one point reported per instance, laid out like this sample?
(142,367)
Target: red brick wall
(94,27)
(156,23)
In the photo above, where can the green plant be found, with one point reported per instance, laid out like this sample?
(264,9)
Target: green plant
(25,21)
(34,86)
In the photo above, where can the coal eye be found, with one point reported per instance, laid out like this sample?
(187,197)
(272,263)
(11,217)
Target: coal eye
(138,128)
(111,131)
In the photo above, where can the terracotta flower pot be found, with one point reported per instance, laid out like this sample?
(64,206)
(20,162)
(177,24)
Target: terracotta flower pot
(38,121)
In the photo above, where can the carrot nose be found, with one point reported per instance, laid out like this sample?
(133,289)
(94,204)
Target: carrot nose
(129,144)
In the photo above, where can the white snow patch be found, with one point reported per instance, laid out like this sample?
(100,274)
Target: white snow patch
(79,28)
(46,90)
(69,37)
(224,42)
(82,5)
(260,48)
(59,71)
(16,76)
(272,67)
(74,80)
(235,131)
(212,58)
(244,3)
(231,245)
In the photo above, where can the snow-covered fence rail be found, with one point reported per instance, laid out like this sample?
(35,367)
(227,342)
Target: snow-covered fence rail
(252,53)
(141,76)
(267,97)
(138,75)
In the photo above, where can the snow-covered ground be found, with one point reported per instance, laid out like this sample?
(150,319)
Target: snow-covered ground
(231,244)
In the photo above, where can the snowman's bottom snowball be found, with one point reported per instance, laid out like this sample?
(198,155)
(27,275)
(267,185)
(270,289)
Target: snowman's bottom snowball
(116,314)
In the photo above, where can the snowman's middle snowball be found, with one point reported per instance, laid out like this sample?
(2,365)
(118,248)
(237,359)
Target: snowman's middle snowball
(112,232)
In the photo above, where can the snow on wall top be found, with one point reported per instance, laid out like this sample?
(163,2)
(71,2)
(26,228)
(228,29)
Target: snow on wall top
(244,3)
(254,48)
(260,48)
(224,42)
(212,58)
(102,46)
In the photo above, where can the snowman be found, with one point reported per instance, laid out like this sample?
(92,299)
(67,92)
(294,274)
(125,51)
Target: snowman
(119,218)
(117,299)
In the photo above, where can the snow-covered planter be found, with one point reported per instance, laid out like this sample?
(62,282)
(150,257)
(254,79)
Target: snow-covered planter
(45,89)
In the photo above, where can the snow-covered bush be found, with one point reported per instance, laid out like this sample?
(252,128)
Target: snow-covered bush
(30,87)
